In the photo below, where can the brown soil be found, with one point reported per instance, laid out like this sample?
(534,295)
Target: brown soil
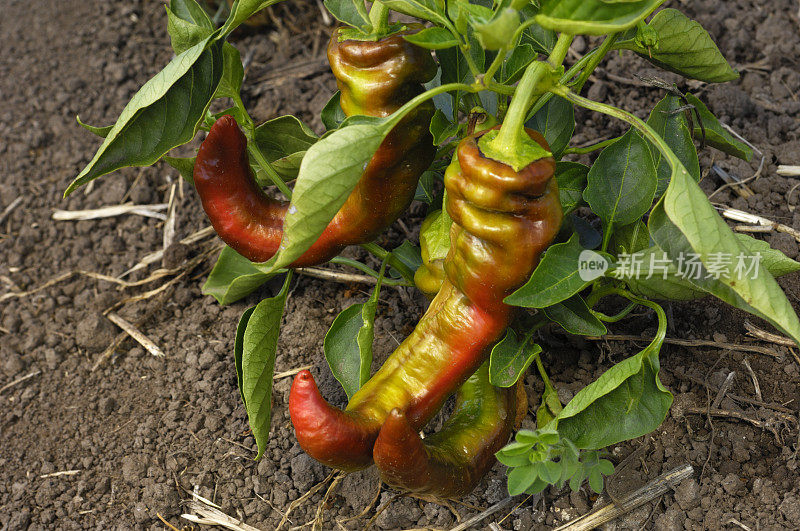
(140,431)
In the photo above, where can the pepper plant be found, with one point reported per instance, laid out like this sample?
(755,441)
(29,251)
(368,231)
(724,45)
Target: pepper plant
(636,225)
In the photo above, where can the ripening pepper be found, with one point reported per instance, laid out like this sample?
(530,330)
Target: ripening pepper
(452,461)
(502,222)
(375,78)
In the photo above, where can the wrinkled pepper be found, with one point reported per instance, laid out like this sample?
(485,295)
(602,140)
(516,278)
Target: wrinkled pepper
(502,222)
(429,276)
(375,79)
(452,461)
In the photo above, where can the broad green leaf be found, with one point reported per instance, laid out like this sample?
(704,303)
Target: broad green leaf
(670,124)
(575,317)
(187,24)
(550,472)
(596,480)
(516,63)
(442,128)
(346,11)
(715,135)
(329,172)
(684,47)
(555,279)
(684,223)
(435,235)
(556,121)
(332,114)
(571,178)
(593,17)
(232,73)
(510,358)
(542,39)
(630,238)
(777,263)
(283,141)
(259,344)
(238,348)
(435,38)
(102,132)
(409,254)
(184,165)
(627,401)
(622,182)
(425,9)
(166,112)
(241,10)
(521,478)
(348,343)
(233,277)
(425,192)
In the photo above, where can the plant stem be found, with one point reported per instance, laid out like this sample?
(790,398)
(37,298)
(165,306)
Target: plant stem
(560,50)
(595,60)
(400,113)
(390,259)
(379,16)
(267,168)
(512,132)
(625,116)
(490,72)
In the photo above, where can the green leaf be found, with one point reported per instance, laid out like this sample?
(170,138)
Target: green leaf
(575,317)
(630,238)
(556,121)
(496,33)
(346,11)
(521,478)
(542,39)
(332,114)
(510,358)
(241,10)
(409,254)
(550,472)
(425,192)
(232,73)
(184,165)
(348,343)
(283,141)
(187,24)
(593,17)
(233,277)
(571,178)
(684,223)
(671,125)
(424,9)
(622,182)
(259,344)
(329,172)
(436,236)
(516,63)
(596,480)
(441,128)
(627,401)
(777,263)
(238,349)
(432,38)
(166,112)
(548,410)
(102,132)
(684,47)
(715,135)
(512,460)
(555,279)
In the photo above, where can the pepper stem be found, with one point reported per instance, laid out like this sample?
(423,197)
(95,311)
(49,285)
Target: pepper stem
(379,17)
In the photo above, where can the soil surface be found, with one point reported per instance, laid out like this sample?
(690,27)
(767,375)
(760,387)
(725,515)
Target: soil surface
(113,447)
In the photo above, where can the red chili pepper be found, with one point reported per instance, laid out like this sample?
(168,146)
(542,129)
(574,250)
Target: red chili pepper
(375,79)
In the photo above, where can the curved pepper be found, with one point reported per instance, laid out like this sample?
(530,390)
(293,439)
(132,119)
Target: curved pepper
(502,221)
(375,79)
(452,461)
